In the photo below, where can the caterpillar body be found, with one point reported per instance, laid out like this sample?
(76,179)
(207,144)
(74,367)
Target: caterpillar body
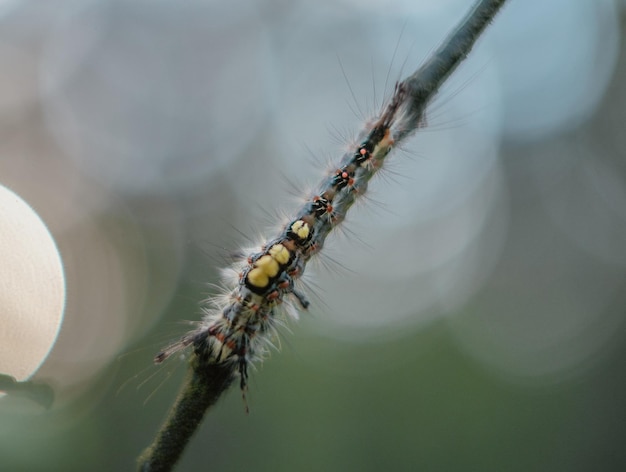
(239,327)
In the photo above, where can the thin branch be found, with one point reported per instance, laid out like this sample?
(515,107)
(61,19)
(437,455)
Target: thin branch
(204,384)
(217,358)
(425,82)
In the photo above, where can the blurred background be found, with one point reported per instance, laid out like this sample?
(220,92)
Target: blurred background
(470,315)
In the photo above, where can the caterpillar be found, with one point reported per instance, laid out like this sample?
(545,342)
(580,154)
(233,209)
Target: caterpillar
(239,327)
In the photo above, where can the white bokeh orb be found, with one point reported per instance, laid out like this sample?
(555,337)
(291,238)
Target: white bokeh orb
(32,288)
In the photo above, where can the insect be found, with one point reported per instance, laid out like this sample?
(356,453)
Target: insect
(239,327)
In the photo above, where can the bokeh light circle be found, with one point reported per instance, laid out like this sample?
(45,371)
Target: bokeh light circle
(32,288)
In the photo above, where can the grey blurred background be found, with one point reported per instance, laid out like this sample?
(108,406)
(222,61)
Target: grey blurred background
(471,315)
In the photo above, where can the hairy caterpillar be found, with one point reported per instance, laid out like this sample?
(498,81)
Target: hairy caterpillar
(239,326)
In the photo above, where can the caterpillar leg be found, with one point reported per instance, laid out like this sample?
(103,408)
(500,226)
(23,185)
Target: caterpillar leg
(243,382)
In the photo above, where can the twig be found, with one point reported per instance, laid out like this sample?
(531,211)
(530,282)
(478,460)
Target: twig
(204,384)
(425,82)
(225,344)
